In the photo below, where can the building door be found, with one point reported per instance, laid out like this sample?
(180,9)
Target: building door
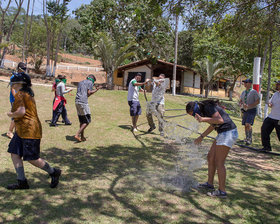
(131,76)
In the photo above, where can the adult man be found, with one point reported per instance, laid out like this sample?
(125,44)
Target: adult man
(59,102)
(273,119)
(25,144)
(249,100)
(85,90)
(133,99)
(156,106)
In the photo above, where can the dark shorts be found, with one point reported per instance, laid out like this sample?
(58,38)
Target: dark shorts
(249,116)
(135,108)
(84,119)
(29,149)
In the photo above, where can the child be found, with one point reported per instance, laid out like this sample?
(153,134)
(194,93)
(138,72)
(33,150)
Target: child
(25,145)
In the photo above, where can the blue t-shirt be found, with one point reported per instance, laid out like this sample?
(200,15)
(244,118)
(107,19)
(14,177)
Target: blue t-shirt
(12,98)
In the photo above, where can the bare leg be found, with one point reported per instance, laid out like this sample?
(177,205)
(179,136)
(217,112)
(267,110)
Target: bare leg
(220,157)
(135,120)
(211,163)
(40,163)
(17,161)
(81,132)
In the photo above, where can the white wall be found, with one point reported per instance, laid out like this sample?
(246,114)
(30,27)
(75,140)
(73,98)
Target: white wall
(188,79)
(143,68)
(197,81)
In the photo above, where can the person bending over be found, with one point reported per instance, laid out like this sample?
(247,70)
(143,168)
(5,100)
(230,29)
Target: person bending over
(210,112)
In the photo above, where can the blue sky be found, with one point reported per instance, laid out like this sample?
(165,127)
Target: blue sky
(74,4)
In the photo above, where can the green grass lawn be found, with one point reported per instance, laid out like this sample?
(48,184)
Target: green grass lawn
(110,178)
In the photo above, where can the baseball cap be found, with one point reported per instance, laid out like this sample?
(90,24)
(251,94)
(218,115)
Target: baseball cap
(247,81)
(22,66)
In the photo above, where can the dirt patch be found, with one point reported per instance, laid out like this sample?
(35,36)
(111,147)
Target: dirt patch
(259,161)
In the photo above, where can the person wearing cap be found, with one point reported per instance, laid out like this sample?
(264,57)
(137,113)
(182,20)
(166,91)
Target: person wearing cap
(21,68)
(84,91)
(133,99)
(156,106)
(25,144)
(249,101)
(59,103)
(273,119)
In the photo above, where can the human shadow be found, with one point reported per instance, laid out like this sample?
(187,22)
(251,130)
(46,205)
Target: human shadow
(113,182)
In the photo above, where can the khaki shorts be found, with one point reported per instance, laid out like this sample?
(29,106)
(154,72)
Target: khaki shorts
(82,109)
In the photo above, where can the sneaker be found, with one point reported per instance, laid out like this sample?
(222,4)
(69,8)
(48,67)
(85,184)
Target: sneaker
(217,193)
(53,125)
(21,185)
(55,177)
(206,186)
(68,123)
(151,129)
(134,130)
(266,149)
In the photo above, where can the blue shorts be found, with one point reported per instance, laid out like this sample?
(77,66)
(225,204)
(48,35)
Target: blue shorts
(135,108)
(29,149)
(249,116)
(227,138)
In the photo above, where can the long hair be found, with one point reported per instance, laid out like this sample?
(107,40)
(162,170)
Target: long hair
(201,104)
(26,86)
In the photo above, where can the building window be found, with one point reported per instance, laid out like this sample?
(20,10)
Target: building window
(120,75)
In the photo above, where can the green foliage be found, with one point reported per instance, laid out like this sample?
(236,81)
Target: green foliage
(112,54)
(185,48)
(126,21)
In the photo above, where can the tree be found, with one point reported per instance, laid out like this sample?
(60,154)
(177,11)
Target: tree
(112,55)
(126,21)
(10,29)
(55,14)
(208,69)
(185,48)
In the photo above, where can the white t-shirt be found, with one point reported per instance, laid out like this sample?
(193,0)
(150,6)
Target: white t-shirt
(275,109)
(158,91)
(133,91)
(60,89)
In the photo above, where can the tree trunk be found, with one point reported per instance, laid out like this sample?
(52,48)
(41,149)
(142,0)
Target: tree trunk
(110,79)
(269,77)
(175,53)
(231,89)
(10,31)
(25,32)
(207,90)
(3,14)
(56,52)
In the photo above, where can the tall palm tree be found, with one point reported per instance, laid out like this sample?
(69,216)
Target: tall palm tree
(112,55)
(208,69)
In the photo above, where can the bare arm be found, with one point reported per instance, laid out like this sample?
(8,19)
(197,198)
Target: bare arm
(13,92)
(215,119)
(20,112)
(90,92)
(204,134)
